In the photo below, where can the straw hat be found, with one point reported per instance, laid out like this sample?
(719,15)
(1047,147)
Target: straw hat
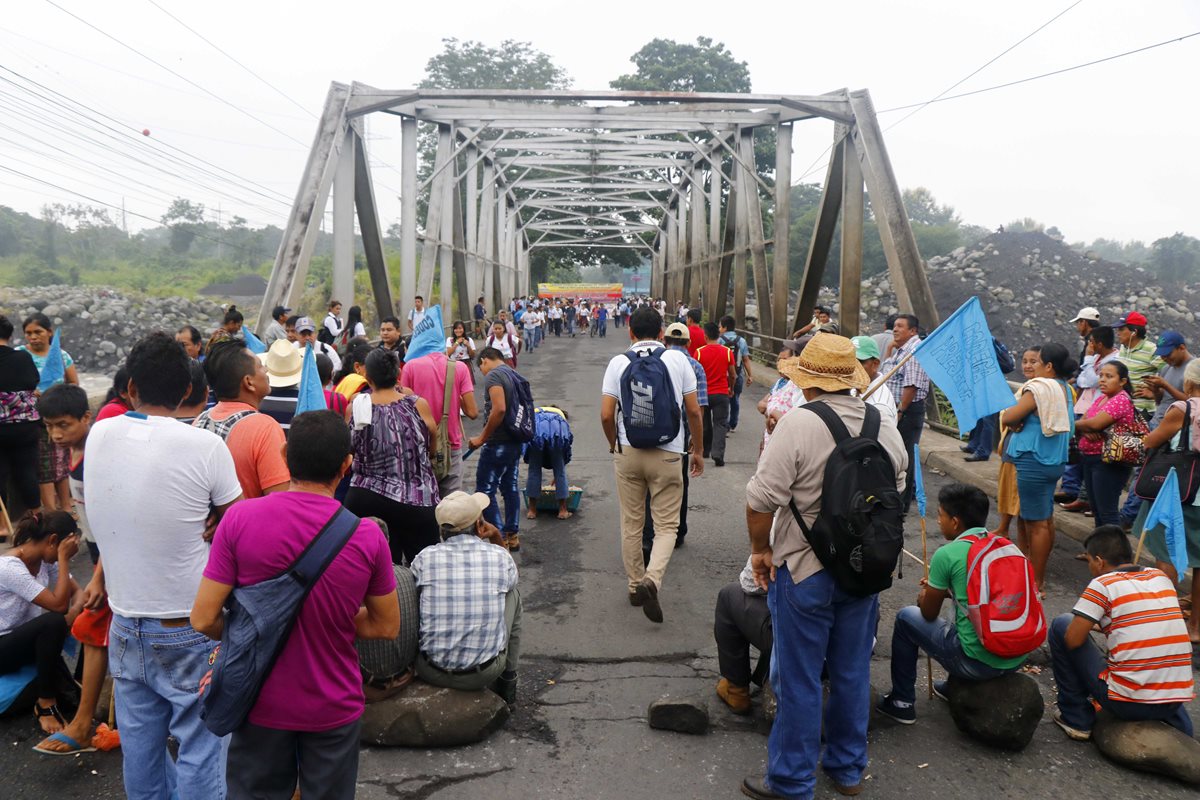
(828,363)
(283,362)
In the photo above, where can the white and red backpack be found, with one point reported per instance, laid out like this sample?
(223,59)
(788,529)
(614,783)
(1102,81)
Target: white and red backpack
(1002,598)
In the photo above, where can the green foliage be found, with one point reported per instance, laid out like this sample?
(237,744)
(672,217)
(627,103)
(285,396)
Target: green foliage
(1025,225)
(923,209)
(1132,252)
(664,65)
(184,218)
(474,65)
(1176,258)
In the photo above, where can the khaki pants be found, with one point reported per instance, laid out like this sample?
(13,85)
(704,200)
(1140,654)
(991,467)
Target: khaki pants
(657,472)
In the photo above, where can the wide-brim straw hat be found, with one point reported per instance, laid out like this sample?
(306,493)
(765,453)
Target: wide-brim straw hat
(283,362)
(828,363)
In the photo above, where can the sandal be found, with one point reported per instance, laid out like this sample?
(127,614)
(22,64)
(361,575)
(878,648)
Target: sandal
(48,711)
(75,747)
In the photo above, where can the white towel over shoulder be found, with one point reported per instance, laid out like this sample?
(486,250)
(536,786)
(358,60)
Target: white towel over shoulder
(1052,407)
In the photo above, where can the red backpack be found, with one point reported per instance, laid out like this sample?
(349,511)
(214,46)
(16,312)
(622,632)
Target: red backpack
(1002,598)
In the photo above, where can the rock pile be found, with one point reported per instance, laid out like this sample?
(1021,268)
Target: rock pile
(99,325)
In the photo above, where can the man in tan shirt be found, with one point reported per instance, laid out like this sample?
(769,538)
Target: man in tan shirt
(815,621)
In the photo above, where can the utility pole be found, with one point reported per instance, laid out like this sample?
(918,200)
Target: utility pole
(219,228)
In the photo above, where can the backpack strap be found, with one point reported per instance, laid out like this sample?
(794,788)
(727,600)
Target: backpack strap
(313,561)
(833,422)
(450,375)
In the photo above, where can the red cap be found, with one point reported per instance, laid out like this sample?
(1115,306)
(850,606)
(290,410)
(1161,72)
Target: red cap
(1132,318)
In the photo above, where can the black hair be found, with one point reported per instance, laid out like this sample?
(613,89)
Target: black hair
(418,297)
(233,315)
(694,314)
(63,400)
(278,312)
(291,321)
(1122,374)
(489,354)
(728,323)
(198,393)
(966,503)
(318,443)
(120,386)
(159,369)
(909,319)
(1103,336)
(192,332)
(890,321)
(646,323)
(227,364)
(333,303)
(456,324)
(37,526)
(356,354)
(6,327)
(382,369)
(324,368)
(393,320)
(711,331)
(1138,330)
(1056,356)
(353,318)
(39,319)
(1110,543)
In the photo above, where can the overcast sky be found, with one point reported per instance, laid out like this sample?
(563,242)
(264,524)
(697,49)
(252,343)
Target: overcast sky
(1106,151)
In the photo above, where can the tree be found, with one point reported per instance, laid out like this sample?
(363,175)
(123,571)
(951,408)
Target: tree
(923,209)
(474,65)
(1176,258)
(664,65)
(185,219)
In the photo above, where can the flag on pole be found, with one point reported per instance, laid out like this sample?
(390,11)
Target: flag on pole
(54,370)
(428,336)
(312,393)
(960,358)
(918,481)
(253,343)
(1168,512)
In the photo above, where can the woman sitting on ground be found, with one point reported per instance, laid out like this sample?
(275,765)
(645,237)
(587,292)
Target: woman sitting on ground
(36,612)
(1112,406)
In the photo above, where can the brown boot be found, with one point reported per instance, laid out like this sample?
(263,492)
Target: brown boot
(736,697)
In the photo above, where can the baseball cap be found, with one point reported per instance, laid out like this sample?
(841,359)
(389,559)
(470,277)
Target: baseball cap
(865,348)
(677,330)
(1132,318)
(1167,342)
(1088,313)
(275,312)
(458,510)
(305,324)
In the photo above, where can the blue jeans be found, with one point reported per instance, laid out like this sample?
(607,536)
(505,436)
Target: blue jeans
(735,400)
(1133,503)
(939,638)
(1077,673)
(1104,483)
(570,325)
(603,327)
(157,672)
(533,483)
(983,436)
(816,623)
(499,466)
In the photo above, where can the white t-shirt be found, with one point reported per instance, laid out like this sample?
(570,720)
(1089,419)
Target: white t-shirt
(18,588)
(416,317)
(683,378)
(883,399)
(359,330)
(530,320)
(502,344)
(150,484)
(555,312)
(463,351)
(329,350)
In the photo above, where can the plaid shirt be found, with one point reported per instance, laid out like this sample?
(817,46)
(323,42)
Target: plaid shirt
(463,582)
(701,378)
(910,374)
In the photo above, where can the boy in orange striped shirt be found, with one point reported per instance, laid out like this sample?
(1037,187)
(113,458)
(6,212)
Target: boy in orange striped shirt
(1148,671)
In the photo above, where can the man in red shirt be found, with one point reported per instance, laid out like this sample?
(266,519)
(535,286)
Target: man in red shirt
(719,371)
(695,332)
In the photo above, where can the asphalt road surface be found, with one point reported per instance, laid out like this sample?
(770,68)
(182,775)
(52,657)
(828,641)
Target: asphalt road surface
(593,663)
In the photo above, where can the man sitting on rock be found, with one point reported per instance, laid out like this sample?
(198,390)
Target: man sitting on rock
(741,619)
(470,608)
(1148,672)
(962,517)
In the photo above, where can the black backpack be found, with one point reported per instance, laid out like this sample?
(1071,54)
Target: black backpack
(859,533)
(519,416)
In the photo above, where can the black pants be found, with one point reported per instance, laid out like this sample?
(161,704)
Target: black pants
(19,463)
(911,423)
(38,641)
(265,763)
(648,525)
(410,528)
(716,425)
(556,325)
(741,620)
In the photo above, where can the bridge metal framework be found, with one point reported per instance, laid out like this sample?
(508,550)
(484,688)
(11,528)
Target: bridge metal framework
(668,174)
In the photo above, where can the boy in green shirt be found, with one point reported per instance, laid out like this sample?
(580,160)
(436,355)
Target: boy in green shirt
(962,517)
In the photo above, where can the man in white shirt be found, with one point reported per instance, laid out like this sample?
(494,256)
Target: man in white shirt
(529,321)
(155,490)
(867,353)
(654,470)
(555,315)
(417,313)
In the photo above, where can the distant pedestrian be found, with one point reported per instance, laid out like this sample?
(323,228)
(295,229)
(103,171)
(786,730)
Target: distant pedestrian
(332,326)
(719,370)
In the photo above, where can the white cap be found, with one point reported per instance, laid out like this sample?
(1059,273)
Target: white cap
(1090,314)
(458,510)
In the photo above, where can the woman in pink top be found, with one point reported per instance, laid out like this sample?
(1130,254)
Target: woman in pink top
(1113,405)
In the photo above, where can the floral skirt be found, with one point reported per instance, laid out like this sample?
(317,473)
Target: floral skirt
(54,461)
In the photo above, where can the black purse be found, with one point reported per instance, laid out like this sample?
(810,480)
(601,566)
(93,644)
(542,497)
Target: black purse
(1160,460)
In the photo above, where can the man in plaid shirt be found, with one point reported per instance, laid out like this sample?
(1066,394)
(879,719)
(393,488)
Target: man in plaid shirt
(470,609)
(910,387)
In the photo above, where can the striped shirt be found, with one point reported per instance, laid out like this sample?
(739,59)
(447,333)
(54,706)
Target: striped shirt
(1141,363)
(280,405)
(1149,655)
(910,374)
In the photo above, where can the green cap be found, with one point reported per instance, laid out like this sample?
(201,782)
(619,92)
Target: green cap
(865,348)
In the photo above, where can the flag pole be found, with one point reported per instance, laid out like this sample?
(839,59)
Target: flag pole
(925,563)
(881,381)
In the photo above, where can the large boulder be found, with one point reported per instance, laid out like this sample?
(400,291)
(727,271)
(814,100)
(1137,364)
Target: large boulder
(682,715)
(431,716)
(1002,712)
(1148,746)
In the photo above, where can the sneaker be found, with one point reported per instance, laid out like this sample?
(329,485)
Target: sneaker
(1072,733)
(649,594)
(736,697)
(939,690)
(888,707)
(512,542)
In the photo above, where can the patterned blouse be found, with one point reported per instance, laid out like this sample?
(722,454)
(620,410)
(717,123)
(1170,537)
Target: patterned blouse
(391,455)
(1119,407)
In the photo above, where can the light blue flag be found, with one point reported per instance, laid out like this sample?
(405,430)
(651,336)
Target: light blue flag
(312,393)
(959,357)
(1168,512)
(428,336)
(55,369)
(253,343)
(918,480)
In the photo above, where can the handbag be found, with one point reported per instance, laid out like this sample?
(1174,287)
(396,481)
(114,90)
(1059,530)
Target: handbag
(1161,460)
(442,451)
(1124,442)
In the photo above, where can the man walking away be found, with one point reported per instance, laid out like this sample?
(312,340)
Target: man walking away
(741,357)
(717,360)
(910,387)
(654,388)
(426,377)
(151,484)
(500,452)
(305,722)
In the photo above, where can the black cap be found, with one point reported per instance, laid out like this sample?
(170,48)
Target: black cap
(279,310)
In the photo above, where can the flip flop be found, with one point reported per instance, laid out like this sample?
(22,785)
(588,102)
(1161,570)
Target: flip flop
(75,746)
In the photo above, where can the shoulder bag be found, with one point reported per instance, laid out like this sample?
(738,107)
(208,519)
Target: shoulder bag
(1160,460)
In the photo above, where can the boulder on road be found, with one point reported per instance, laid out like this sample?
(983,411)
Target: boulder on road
(1149,747)
(1003,712)
(431,716)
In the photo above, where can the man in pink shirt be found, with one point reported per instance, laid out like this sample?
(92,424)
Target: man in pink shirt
(426,378)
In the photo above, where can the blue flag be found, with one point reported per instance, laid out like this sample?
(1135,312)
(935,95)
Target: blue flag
(312,393)
(54,370)
(253,343)
(1168,512)
(428,336)
(918,480)
(959,357)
